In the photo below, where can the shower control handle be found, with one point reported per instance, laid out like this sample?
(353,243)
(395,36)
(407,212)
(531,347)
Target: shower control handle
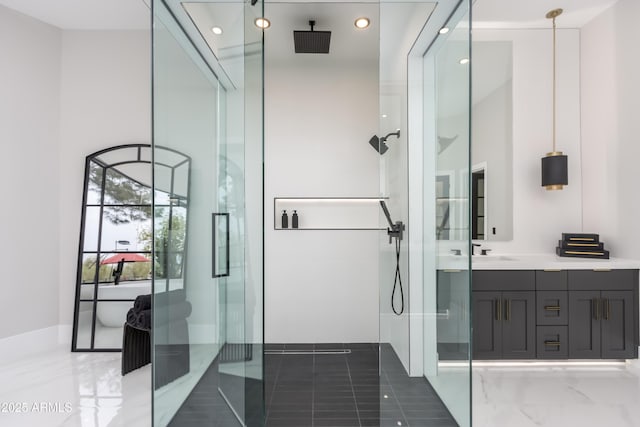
(396,231)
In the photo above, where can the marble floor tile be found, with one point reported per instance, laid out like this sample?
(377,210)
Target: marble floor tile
(554,396)
(65,389)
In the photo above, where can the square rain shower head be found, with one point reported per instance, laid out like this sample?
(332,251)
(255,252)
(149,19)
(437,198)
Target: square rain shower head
(312,41)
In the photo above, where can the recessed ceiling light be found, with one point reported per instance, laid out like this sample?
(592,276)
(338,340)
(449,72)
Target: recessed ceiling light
(216,30)
(444,30)
(262,23)
(384,116)
(464,61)
(362,23)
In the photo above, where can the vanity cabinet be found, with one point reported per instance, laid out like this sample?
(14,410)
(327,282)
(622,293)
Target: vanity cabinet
(503,315)
(603,314)
(552,315)
(575,314)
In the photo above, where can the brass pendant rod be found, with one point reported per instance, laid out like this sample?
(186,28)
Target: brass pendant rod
(554,84)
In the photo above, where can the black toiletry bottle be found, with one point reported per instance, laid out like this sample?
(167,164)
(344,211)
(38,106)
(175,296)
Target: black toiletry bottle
(294,219)
(285,219)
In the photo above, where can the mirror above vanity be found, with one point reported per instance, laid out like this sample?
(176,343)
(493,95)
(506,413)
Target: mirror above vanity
(491,141)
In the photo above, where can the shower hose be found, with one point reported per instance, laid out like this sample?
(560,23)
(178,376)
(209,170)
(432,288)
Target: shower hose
(397,283)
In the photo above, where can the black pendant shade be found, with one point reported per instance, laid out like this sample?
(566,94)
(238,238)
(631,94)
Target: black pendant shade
(555,171)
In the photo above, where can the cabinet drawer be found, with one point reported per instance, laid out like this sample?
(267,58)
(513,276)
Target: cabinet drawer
(590,280)
(552,342)
(504,280)
(551,280)
(552,307)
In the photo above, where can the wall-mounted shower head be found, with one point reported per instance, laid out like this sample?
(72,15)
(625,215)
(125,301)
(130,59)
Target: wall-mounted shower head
(379,143)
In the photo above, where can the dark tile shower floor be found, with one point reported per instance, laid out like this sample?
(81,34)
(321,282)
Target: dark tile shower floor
(326,390)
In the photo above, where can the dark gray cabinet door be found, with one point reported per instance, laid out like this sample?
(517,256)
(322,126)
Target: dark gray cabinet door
(617,325)
(584,324)
(486,325)
(519,325)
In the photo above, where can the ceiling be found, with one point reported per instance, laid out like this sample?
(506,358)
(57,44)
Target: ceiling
(531,13)
(134,14)
(86,14)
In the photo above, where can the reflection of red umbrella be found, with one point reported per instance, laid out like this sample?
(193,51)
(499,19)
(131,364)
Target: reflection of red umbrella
(126,256)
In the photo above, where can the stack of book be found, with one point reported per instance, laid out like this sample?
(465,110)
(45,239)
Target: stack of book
(581,245)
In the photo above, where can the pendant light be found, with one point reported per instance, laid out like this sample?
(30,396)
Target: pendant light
(554,164)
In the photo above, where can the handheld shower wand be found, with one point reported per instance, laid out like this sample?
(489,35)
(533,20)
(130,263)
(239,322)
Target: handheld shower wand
(395,230)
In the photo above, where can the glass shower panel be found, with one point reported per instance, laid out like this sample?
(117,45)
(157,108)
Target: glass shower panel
(185,299)
(447,279)
(208,106)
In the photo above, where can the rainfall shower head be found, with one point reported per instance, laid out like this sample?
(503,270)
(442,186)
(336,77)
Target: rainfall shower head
(379,144)
(312,41)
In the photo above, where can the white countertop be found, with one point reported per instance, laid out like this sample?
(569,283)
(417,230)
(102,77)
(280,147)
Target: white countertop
(533,262)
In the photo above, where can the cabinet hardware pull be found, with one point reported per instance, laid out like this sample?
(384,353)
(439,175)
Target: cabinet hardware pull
(607,308)
(602,269)
(508,313)
(498,309)
(595,308)
(552,307)
(451,271)
(552,269)
(552,343)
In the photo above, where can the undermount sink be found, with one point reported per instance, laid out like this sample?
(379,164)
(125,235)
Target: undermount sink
(481,258)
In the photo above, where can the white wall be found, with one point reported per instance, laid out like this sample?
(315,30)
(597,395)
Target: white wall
(29,134)
(610,127)
(320,286)
(105,101)
(540,216)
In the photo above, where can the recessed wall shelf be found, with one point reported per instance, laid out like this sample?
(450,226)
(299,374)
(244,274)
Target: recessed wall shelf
(330,213)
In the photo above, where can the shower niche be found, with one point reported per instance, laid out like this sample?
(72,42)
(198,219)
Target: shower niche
(329,213)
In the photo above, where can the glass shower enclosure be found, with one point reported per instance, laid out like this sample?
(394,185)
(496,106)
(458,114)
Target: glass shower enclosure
(425,92)
(207,293)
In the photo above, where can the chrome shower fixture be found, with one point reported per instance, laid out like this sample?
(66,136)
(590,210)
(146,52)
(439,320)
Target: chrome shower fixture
(379,143)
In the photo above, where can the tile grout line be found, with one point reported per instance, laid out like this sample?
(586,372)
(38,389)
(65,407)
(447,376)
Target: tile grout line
(404,416)
(313,388)
(353,392)
(273,389)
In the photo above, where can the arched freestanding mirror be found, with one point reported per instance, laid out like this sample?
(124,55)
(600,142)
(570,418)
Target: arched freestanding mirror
(116,238)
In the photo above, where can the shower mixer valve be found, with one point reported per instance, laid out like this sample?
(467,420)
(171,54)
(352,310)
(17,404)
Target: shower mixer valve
(396,231)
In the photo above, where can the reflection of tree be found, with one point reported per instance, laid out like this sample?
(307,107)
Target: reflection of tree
(89,272)
(121,190)
(131,271)
(169,243)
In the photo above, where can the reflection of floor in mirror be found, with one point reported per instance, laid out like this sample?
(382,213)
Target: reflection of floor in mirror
(557,396)
(60,388)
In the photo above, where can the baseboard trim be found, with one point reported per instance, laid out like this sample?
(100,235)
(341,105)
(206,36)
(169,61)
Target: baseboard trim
(34,342)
